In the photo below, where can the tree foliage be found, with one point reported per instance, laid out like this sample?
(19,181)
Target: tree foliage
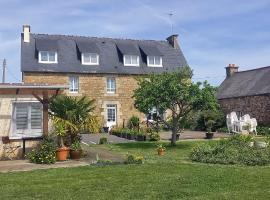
(75,113)
(173,91)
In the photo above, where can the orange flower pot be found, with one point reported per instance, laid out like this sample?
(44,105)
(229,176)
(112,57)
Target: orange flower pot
(161,152)
(62,153)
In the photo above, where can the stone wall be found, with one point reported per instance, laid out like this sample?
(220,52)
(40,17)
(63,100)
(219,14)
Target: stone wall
(256,106)
(94,86)
(6,109)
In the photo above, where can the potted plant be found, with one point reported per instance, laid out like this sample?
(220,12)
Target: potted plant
(75,150)
(60,130)
(209,124)
(161,149)
(140,136)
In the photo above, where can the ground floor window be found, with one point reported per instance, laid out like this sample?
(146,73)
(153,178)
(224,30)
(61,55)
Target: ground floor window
(27,119)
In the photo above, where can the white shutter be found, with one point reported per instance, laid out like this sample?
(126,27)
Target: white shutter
(36,116)
(21,117)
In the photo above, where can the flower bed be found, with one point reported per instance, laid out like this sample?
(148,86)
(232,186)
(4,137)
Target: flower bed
(129,134)
(238,149)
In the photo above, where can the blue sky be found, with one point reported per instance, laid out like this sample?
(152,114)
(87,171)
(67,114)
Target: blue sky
(212,33)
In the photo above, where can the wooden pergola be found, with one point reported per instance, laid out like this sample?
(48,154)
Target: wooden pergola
(44,93)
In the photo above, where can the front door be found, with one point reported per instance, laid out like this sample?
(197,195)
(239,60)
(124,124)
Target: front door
(111,115)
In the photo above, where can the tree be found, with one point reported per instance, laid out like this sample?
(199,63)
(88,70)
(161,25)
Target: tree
(75,113)
(171,91)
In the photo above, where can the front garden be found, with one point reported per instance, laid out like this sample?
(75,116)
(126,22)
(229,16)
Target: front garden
(172,176)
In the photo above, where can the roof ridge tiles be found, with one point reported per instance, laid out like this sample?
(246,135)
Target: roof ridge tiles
(260,68)
(82,36)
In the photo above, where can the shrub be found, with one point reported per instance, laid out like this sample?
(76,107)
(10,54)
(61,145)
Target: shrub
(235,150)
(103,140)
(154,136)
(134,122)
(263,130)
(45,153)
(132,159)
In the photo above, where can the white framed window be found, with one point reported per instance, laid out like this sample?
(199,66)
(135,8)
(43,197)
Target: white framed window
(111,85)
(90,59)
(73,84)
(154,61)
(47,57)
(27,119)
(131,60)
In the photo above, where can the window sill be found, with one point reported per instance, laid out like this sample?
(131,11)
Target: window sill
(154,66)
(111,95)
(44,62)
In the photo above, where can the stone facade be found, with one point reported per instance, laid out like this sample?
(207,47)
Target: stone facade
(6,112)
(94,87)
(256,106)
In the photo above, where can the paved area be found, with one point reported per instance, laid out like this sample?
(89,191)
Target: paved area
(187,135)
(90,157)
(25,165)
(94,138)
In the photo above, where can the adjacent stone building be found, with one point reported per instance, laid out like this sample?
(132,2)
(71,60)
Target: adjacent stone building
(246,92)
(103,69)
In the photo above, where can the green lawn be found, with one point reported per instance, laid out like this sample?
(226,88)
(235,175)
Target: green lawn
(172,176)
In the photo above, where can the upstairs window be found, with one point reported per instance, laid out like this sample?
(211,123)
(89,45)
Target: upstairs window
(154,61)
(73,84)
(111,85)
(90,59)
(131,60)
(47,57)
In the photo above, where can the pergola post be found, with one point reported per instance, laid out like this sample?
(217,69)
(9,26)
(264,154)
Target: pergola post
(45,103)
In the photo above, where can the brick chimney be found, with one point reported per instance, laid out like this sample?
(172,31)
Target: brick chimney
(26,33)
(173,40)
(231,69)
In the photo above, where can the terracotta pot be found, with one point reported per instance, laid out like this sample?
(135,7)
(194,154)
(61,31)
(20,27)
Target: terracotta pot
(62,153)
(161,152)
(75,154)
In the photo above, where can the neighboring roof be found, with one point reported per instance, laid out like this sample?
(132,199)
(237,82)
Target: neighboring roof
(246,83)
(110,61)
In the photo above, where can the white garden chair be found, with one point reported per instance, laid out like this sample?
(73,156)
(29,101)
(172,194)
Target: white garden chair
(234,125)
(251,122)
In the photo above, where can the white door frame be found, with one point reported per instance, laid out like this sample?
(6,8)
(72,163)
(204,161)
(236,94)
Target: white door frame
(111,119)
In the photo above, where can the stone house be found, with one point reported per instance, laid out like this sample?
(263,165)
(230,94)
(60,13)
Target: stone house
(103,69)
(246,92)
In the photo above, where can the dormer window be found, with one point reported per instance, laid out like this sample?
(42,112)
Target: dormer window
(90,59)
(47,57)
(154,61)
(131,60)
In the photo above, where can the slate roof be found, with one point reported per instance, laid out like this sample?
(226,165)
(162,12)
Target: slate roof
(110,54)
(246,83)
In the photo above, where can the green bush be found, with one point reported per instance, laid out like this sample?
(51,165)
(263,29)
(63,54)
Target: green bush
(132,159)
(263,130)
(45,153)
(154,136)
(103,140)
(134,122)
(235,150)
